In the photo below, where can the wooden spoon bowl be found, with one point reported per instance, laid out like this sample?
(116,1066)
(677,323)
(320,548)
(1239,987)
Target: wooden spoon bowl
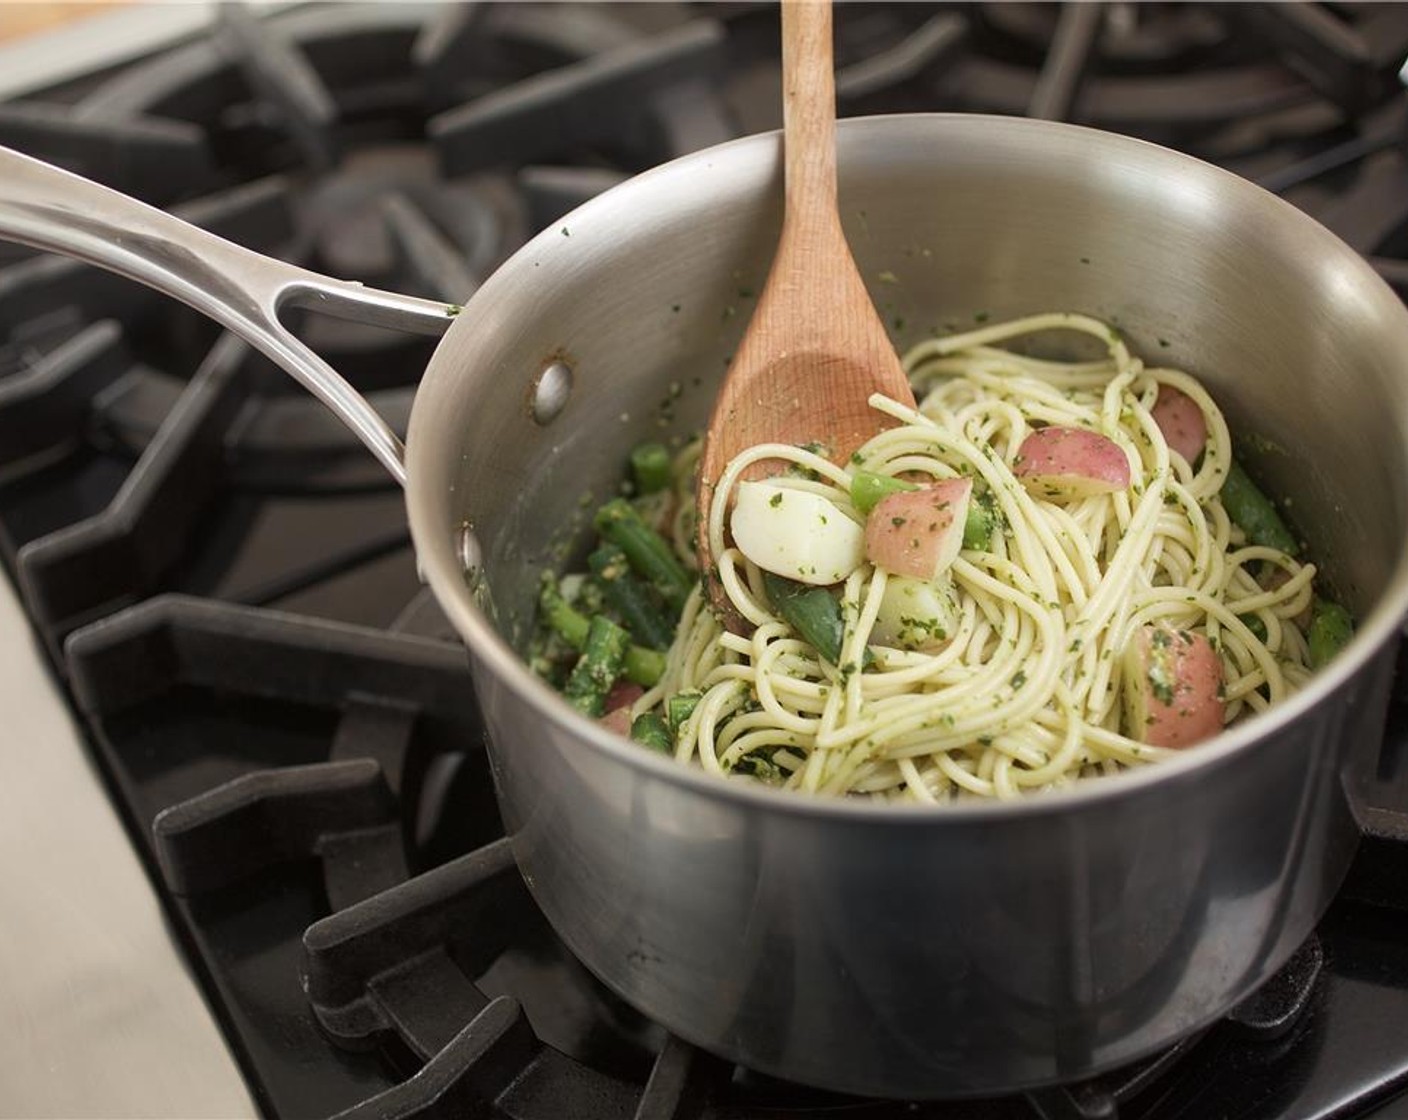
(815,349)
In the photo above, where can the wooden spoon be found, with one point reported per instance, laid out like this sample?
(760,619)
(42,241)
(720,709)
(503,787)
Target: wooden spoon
(815,349)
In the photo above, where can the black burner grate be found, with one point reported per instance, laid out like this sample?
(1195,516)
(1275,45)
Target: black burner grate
(432,964)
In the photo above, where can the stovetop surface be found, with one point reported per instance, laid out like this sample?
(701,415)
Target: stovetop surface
(223,582)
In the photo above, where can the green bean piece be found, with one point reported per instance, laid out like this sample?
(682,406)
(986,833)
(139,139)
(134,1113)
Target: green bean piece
(643,666)
(1254,623)
(603,657)
(650,468)
(1331,627)
(568,622)
(868,488)
(759,764)
(984,519)
(1254,512)
(630,598)
(649,730)
(811,611)
(648,552)
(679,708)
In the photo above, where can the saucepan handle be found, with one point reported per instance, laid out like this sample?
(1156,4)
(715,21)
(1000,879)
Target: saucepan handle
(55,210)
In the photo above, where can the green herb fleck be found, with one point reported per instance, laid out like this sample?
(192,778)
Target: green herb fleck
(1160,684)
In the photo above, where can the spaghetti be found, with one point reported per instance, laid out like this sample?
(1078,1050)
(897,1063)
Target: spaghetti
(1025,692)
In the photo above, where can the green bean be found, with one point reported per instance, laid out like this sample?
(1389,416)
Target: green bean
(643,666)
(811,611)
(647,551)
(759,764)
(569,624)
(984,519)
(1331,627)
(679,708)
(650,467)
(1254,623)
(1254,512)
(650,731)
(868,488)
(603,657)
(630,598)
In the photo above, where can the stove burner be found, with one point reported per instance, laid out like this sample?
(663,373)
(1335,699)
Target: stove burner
(573,110)
(1132,38)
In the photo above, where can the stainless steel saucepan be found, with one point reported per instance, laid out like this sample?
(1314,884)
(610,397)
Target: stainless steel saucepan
(900,951)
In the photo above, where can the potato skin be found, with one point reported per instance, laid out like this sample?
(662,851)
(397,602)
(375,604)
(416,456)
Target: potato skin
(918,533)
(1064,464)
(1173,687)
(1181,421)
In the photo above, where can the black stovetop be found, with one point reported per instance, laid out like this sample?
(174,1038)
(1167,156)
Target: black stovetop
(222,578)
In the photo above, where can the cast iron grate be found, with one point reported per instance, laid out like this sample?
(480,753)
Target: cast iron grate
(347,802)
(448,966)
(282,712)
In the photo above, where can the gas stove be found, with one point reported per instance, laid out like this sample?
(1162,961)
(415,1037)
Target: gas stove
(219,579)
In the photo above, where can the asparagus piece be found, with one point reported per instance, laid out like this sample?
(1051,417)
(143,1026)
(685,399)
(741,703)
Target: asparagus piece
(630,598)
(650,468)
(650,731)
(1254,512)
(603,656)
(643,666)
(648,552)
(1330,630)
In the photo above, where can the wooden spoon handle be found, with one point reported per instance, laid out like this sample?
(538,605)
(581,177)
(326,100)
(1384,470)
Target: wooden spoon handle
(809,113)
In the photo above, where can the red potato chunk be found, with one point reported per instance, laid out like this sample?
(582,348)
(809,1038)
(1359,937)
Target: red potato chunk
(1173,687)
(618,706)
(918,533)
(1182,423)
(623,694)
(618,720)
(1063,464)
